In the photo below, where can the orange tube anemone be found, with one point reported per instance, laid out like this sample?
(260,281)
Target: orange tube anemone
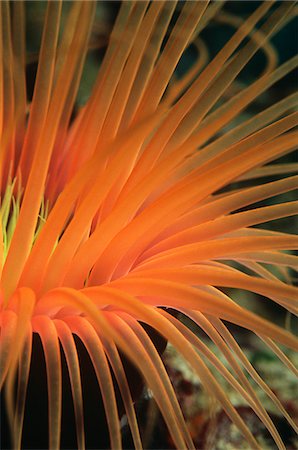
(144,200)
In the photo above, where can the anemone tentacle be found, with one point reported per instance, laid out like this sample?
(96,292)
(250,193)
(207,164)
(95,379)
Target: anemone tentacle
(132,218)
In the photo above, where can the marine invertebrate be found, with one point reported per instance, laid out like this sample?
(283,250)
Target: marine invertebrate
(113,217)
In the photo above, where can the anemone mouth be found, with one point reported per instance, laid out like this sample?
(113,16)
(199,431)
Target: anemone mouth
(151,199)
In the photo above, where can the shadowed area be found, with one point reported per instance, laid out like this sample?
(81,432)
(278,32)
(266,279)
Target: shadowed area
(35,433)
